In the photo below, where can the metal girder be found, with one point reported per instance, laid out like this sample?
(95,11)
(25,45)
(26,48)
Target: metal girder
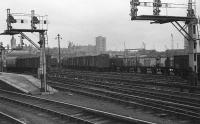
(24,36)
(134,49)
(163,19)
(17,31)
(20,31)
(183,31)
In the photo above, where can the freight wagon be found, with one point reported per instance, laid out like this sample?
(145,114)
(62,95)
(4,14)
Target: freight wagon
(25,64)
(181,65)
(147,64)
(142,64)
(100,62)
(54,62)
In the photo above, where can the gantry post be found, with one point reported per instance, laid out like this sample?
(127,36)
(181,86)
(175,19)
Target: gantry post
(192,31)
(192,42)
(8,20)
(43,63)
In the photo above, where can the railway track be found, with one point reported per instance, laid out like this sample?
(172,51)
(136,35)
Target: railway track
(134,80)
(139,78)
(182,98)
(131,76)
(150,77)
(7,119)
(171,108)
(68,112)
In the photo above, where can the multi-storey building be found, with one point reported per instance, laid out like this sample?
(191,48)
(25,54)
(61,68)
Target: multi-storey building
(100,44)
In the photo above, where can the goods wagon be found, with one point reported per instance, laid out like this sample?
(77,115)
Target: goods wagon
(181,65)
(181,62)
(91,63)
(154,65)
(147,64)
(166,65)
(11,62)
(100,62)
(53,62)
(25,64)
(116,64)
(129,64)
(123,64)
(147,61)
(67,63)
(164,62)
(22,64)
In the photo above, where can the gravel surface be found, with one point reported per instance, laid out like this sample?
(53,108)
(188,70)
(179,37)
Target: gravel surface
(30,116)
(107,106)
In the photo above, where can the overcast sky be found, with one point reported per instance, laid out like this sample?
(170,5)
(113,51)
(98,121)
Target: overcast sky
(81,21)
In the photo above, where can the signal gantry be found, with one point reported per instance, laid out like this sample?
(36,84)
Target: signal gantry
(189,30)
(38,24)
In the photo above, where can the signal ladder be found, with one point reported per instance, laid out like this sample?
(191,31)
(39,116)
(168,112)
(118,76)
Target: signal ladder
(198,29)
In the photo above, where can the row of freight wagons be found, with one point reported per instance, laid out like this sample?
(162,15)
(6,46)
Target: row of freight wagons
(104,62)
(178,64)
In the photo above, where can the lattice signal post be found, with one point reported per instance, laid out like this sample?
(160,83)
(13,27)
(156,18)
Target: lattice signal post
(189,30)
(37,26)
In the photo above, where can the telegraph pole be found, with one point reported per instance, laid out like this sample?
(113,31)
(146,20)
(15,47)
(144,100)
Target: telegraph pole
(59,60)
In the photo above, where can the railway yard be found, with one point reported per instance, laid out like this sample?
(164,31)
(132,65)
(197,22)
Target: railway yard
(105,98)
(88,84)
(93,90)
